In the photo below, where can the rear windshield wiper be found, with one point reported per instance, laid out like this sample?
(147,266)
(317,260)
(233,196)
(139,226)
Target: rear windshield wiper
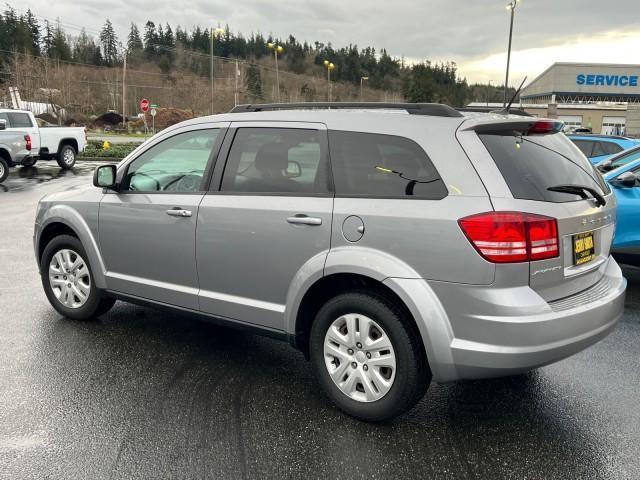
(582,191)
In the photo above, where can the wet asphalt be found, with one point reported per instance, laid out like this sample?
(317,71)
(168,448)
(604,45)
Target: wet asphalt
(143,394)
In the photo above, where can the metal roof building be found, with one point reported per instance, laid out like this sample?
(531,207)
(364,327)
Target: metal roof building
(584,83)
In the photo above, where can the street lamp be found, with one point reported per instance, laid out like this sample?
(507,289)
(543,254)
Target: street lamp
(362,79)
(329,66)
(276,50)
(511,6)
(488,91)
(214,32)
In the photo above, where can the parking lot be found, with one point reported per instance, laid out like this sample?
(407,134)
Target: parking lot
(144,394)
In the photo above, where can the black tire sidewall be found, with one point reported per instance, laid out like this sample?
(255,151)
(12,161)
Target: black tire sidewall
(412,375)
(89,309)
(61,157)
(5,172)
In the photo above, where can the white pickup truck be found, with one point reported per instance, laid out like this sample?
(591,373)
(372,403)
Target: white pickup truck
(48,143)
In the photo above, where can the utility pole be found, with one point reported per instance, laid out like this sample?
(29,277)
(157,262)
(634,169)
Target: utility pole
(211,72)
(124,91)
(512,7)
(362,79)
(235,89)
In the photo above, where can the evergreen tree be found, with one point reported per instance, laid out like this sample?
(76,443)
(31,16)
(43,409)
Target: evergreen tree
(150,40)
(134,42)
(254,82)
(109,43)
(34,29)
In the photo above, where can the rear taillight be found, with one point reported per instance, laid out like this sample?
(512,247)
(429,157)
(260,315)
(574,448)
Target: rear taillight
(27,138)
(508,237)
(543,127)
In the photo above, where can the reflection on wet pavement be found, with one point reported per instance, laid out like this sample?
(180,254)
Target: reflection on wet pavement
(22,178)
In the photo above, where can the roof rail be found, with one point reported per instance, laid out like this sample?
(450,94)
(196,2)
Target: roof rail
(431,109)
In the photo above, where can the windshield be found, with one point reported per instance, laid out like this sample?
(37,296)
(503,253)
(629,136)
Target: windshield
(532,164)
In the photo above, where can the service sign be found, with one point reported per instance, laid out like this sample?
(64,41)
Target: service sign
(607,80)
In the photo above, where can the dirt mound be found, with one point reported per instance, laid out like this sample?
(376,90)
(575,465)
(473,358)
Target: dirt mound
(107,120)
(169,116)
(47,117)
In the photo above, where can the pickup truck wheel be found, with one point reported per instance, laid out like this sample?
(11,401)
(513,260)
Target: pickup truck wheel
(67,157)
(4,170)
(367,356)
(68,280)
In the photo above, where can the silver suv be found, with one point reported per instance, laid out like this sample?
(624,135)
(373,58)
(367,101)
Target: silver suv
(393,244)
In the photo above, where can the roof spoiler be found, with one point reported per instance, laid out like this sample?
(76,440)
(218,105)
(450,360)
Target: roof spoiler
(535,126)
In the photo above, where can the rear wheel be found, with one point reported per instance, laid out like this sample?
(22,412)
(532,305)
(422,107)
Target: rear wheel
(4,170)
(67,157)
(68,281)
(368,357)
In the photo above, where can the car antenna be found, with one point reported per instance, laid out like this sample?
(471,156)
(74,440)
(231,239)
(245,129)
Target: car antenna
(505,110)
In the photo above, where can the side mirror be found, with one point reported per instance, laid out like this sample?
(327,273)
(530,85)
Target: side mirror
(625,180)
(3,124)
(105,176)
(604,166)
(294,170)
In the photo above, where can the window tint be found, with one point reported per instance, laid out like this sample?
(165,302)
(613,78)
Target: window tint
(532,164)
(367,164)
(611,148)
(19,120)
(626,158)
(174,165)
(276,160)
(585,146)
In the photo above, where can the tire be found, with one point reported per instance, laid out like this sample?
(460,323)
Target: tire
(410,376)
(4,170)
(67,157)
(77,306)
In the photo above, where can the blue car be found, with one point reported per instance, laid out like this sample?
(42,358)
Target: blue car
(625,183)
(600,147)
(620,159)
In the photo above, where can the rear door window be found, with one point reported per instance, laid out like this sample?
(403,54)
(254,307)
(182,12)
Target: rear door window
(610,148)
(374,165)
(532,164)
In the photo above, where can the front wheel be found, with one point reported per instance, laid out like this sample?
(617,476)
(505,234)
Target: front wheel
(4,170)
(68,281)
(368,357)
(67,157)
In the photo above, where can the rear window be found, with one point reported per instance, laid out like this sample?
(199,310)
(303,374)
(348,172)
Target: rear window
(19,120)
(532,164)
(374,165)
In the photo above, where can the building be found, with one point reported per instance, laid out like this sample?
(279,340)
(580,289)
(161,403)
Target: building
(600,96)
(584,83)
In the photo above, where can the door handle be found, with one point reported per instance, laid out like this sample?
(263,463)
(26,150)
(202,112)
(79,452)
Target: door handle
(178,212)
(304,220)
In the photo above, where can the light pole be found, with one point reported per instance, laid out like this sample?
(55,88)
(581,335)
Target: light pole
(488,91)
(362,79)
(214,32)
(329,66)
(512,7)
(276,50)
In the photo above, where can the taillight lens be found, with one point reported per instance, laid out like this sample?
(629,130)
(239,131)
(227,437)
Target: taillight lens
(509,237)
(27,138)
(543,127)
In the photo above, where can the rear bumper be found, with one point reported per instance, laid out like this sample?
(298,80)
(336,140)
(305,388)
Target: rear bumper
(500,332)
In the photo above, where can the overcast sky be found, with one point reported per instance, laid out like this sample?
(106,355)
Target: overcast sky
(473,33)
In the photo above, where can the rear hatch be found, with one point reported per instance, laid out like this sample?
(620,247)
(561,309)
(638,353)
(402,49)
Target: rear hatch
(541,172)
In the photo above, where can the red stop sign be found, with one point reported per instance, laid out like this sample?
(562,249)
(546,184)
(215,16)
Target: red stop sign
(144,105)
